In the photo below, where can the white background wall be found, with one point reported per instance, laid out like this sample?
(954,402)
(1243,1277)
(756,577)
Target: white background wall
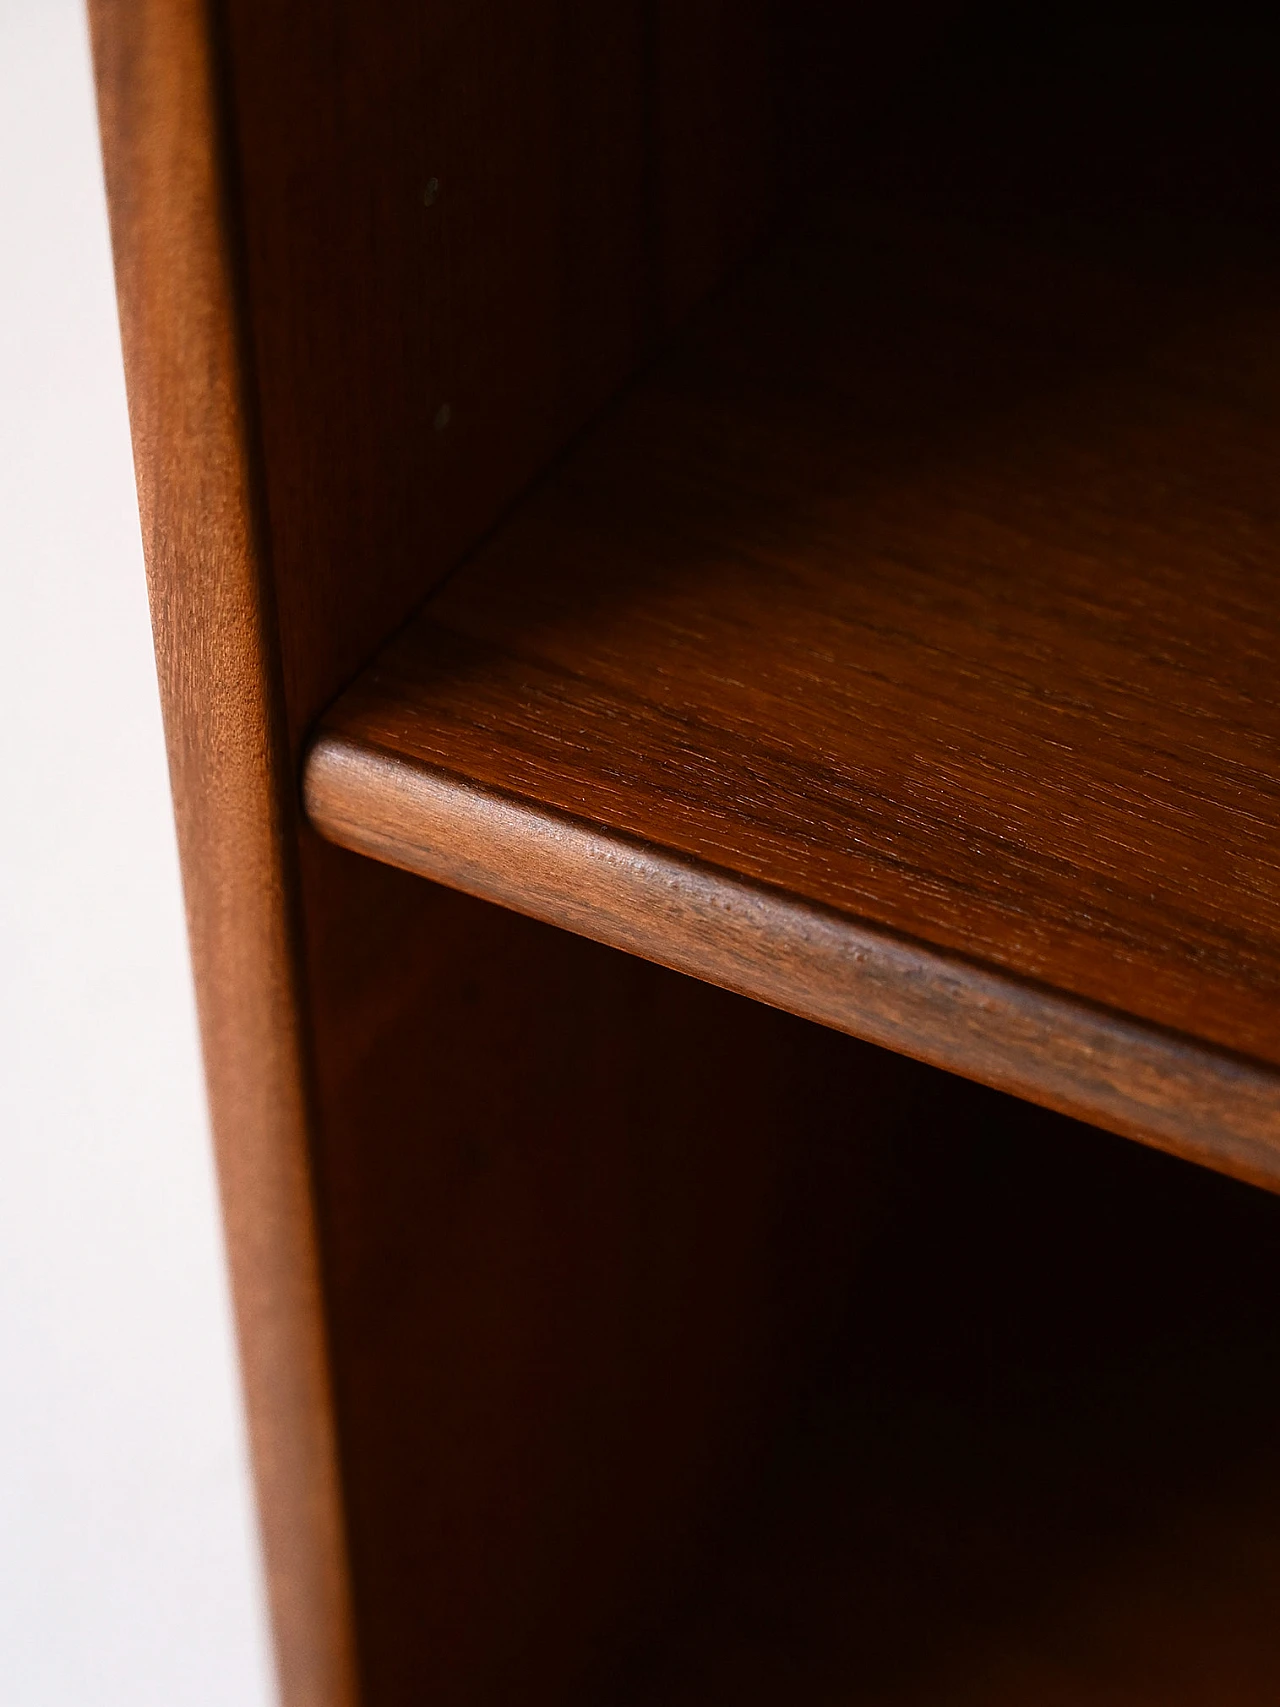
(128,1566)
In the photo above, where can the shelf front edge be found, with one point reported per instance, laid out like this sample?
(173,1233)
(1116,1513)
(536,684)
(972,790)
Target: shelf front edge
(1136,1079)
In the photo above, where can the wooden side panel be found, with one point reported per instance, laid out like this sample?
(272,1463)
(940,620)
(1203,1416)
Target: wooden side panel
(215,648)
(556,1188)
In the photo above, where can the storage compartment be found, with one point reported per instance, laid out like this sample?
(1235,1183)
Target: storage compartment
(781,499)
(898,646)
(1040,1465)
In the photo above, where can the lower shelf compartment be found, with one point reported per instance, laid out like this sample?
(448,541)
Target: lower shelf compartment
(1043,1468)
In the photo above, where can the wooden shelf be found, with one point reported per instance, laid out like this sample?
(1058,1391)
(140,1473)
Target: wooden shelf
(900,651)
(810,471)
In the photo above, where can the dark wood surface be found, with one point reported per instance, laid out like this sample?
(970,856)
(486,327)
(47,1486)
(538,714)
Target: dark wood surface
(510,1195)
(191,410)
(588,1223)
(579,1221)
(456,1185)
(464,225)
(1043,1468)
(900,650)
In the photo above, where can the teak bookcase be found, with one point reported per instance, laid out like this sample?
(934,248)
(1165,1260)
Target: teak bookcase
(715,582)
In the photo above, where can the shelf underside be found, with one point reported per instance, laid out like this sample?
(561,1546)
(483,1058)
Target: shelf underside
(902,650)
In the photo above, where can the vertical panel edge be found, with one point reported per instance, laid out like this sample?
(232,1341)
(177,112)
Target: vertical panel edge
(155,66)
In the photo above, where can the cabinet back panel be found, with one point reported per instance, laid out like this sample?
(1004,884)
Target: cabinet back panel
(465,225)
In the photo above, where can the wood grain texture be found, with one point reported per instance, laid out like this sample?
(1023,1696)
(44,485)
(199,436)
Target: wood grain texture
(540,1403)
(902,650)
(215,647)
(891,990)
(555,1325)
